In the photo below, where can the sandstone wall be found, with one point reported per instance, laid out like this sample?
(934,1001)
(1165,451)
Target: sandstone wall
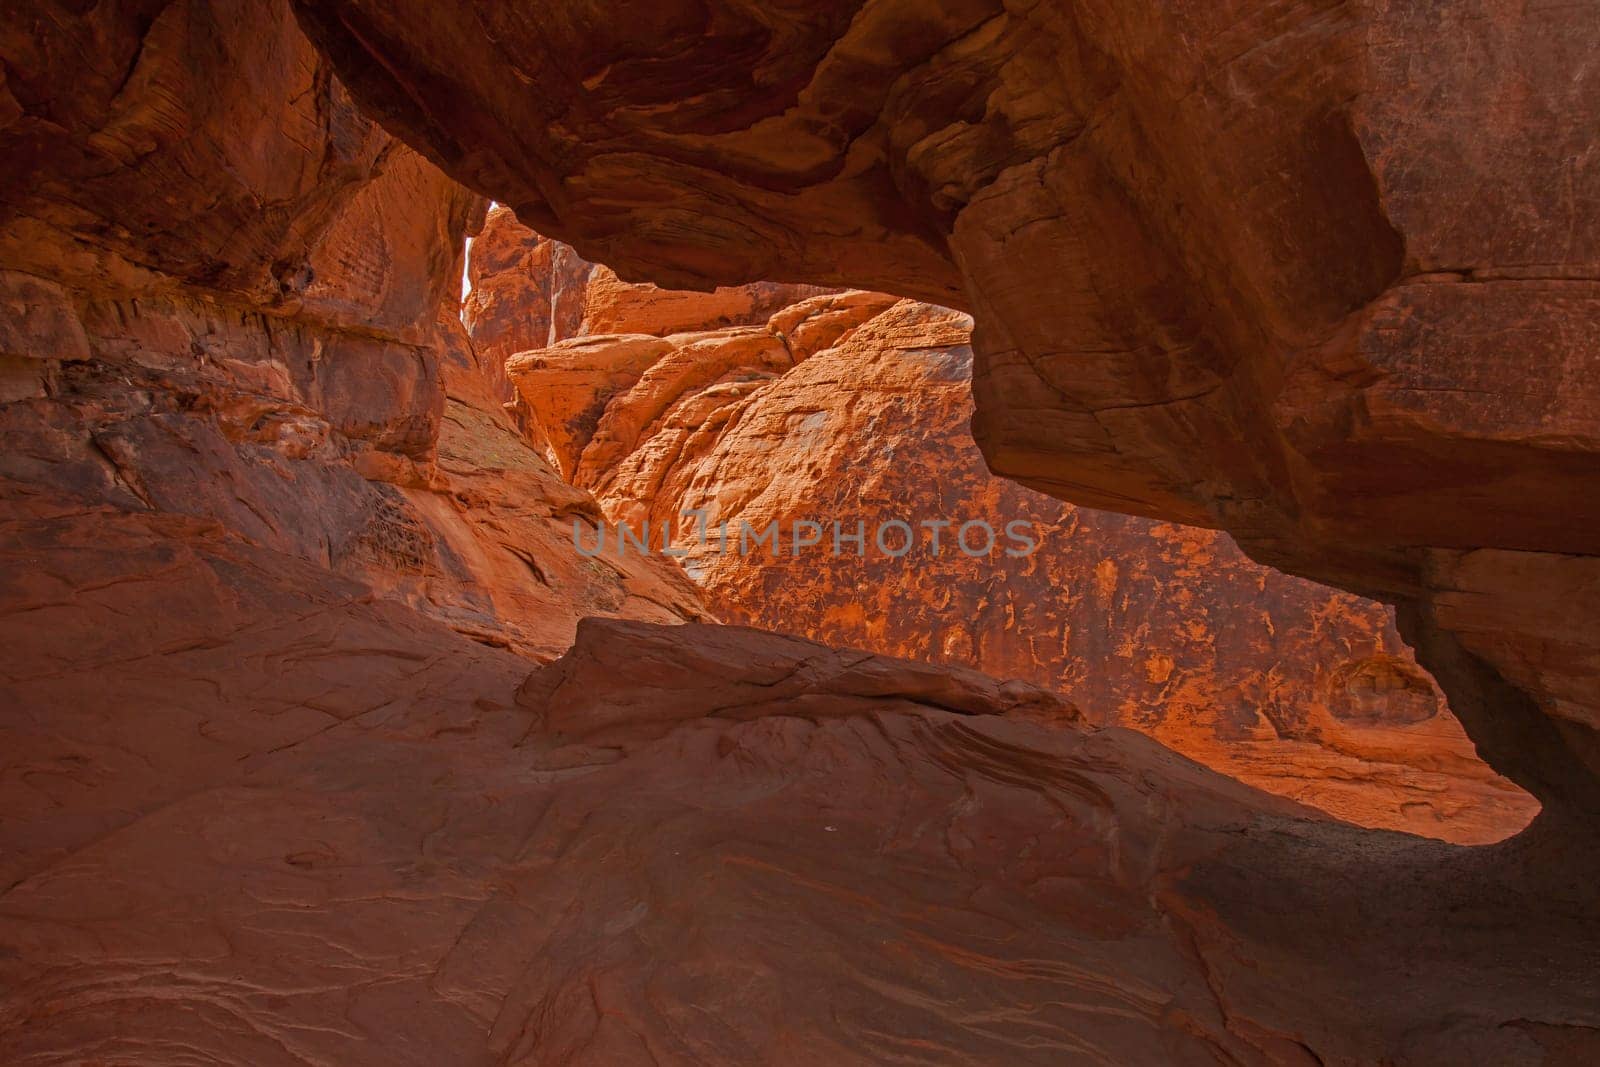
(854,408)
(312,826)
(256,815)
(1320,274)
(227,294)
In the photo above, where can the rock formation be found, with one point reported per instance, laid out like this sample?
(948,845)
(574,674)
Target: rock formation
(316,827)
(281,781)
(527,292)
(1163,628)
(1321,275)
(242,307)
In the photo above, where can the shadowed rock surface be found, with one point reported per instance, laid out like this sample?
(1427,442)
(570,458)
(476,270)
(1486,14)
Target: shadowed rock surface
(341,838)
(327,403)
(1322,275)
(274,789)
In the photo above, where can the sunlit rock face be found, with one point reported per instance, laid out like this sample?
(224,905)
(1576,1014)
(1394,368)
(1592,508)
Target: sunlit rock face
(1322,275)
(527,291)
(1167,629)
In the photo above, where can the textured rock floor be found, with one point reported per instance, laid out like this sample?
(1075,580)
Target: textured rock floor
(351,836)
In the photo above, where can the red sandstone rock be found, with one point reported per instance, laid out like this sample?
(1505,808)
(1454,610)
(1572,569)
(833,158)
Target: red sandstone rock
(1321,275)
(364,464)
(1166,629)
(612,305)
(525,291)
(529,291)
(579,380)
(638,683)
(504,522)
(255,813)
(241,321)
(171,140)
(316,827)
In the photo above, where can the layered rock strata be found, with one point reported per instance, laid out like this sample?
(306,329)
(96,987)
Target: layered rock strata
(228,294)
(318,827)
(256,812)
(1321,275)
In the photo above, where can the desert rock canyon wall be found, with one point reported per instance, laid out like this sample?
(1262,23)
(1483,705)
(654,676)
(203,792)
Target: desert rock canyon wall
(1322,275)
(758,405)
(321,744)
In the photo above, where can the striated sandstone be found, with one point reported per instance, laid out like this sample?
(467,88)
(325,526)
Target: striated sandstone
(155,143)
(245,311)
(597,397)
(524,291)
(256,811)
(317,827)
(1321,275)
(1166,629)
(381,459)
(528,291)
(503,522)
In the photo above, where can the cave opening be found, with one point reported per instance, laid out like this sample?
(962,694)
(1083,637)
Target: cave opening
(734,411)
(324,740)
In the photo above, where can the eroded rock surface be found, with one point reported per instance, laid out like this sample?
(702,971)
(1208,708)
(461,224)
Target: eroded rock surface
(1322,275)
(1167,629)
(270,797)
(528,291)
(314,826)
(242,307)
